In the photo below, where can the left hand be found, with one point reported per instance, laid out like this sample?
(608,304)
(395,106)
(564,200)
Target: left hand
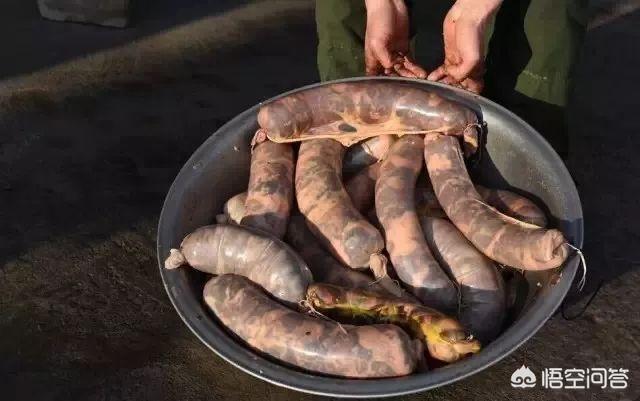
(463,29)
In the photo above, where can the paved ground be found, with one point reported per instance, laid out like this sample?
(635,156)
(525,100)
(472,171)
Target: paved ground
(93,130)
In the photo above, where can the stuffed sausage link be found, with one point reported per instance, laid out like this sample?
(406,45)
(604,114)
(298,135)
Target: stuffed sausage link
(221,249)
(395,207)
(327,207)
(309,343)
(500,237)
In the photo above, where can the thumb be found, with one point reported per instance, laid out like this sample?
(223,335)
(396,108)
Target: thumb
(371,63)
(382,52)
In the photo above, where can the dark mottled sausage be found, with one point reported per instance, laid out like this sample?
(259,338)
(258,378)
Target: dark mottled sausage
(362,187)
(366,153)
(395,207)
(270,192)
(221,249)
(444,336)
(482,293)
(324,202)
(309,343)
(426,202)
(519,292)
(502,238)
(513,205)
(349,112)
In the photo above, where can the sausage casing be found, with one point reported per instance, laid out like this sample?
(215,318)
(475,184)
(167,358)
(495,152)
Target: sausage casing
(270,192)
(444,336)
(221,249)
(327,207)
(350,112)
(362,187)
(395,207)
(513,205)
(500,237)
(482,293)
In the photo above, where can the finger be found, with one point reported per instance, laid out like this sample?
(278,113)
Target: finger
(403,72)
(383,55)
(447,80)
(437,74)
(449,36)
(474,85)
(415,69)
(371,64)
(372,71)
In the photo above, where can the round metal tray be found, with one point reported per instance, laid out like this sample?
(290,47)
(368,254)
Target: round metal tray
(515,157)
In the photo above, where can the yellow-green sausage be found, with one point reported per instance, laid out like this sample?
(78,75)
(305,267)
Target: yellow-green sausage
(444,336)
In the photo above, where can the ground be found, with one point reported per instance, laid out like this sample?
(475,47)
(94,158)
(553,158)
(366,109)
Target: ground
(95,123)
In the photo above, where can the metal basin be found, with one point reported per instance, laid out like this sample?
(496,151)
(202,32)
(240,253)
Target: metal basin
(515,157)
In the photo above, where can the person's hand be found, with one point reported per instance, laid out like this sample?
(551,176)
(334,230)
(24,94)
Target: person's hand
(406,67)
(463,29)
(472,84)
(386,39)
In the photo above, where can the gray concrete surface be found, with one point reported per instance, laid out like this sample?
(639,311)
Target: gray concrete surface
(95,124)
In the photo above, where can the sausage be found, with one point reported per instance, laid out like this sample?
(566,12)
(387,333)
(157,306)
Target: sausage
(482,290)
(328,270)
(426,202)
(395,207)
(309,343)
(366,153)
(518,291)
(323,266)
(233,210)
(513,205)
(325,204)
(350,112)
(445,338)
(506,202)
(270,192)
(501,238)
(361,187)
(221,249)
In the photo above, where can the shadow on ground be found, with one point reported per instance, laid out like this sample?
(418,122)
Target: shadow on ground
(56,42)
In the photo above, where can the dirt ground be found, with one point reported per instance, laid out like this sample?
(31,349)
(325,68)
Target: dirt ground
(95,124)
